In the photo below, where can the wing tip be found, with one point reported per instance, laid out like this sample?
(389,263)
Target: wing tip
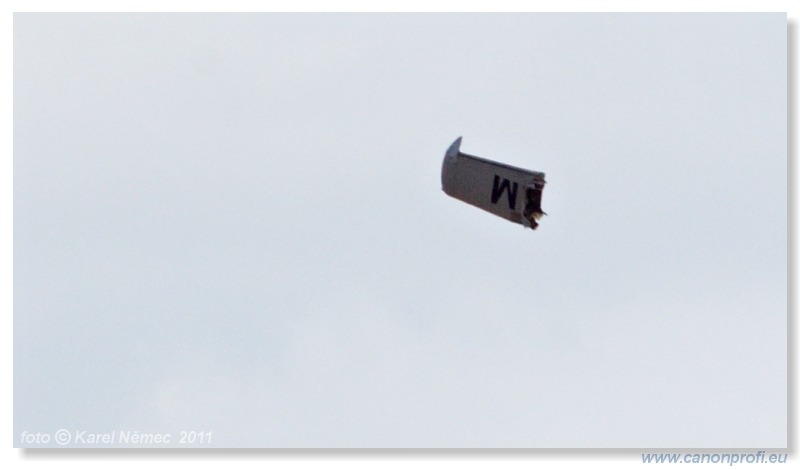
(454,149)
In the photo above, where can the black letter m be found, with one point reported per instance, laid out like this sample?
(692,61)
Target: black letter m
(498,188)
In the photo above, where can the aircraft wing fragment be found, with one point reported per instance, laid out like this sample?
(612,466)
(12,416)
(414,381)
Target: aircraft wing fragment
(507,191)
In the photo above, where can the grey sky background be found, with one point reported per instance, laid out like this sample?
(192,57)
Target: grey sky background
(234,223)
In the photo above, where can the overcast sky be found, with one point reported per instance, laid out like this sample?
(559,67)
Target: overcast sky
(234,223)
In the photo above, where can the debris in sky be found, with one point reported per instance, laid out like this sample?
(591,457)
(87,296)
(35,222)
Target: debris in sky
(512,193)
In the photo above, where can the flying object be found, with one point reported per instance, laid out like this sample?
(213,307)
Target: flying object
(506,191)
